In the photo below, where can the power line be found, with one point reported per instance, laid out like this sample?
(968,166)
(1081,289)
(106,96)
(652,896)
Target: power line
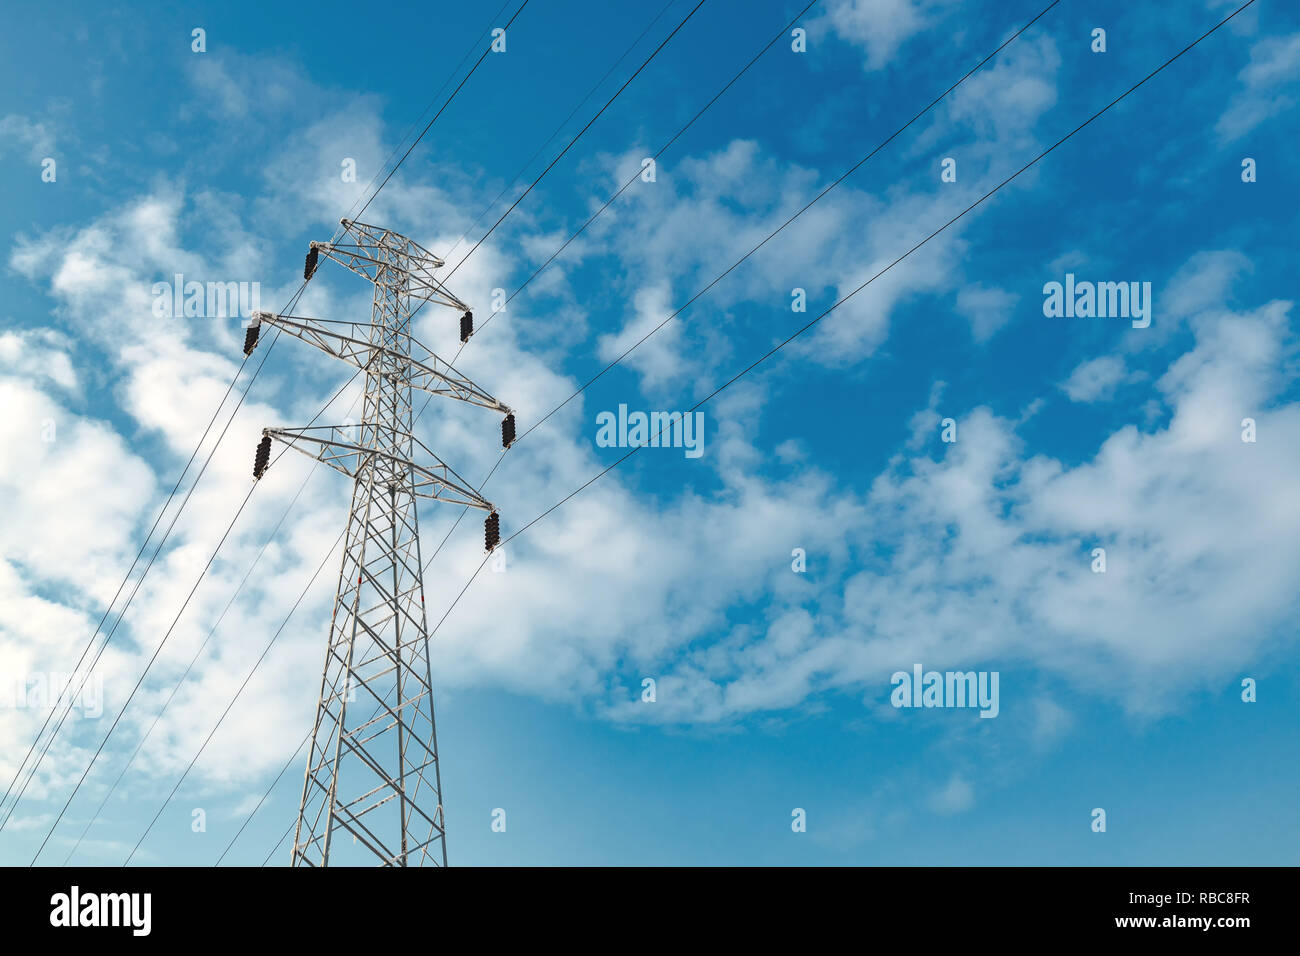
(572,142)
(563,123)
(240,691)
(136,688)
(278,842)
(566,149)
(662,149)
(293,300)
(851,294)
(665,147)
(763,358)
(557,158)
(166,636)
(49,743)
(211,632)
(570,145)
(444,106)
(552,163)
(598,115)
(252,813)
(841,302)
(738,262)
(398,145)
(694,118)
(583,228)
(144,544)
(933,103)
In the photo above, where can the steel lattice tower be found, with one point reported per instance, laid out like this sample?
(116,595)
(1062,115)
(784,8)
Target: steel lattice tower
(373,769)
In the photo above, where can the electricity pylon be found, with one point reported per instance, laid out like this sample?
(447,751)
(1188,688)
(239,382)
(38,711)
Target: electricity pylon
(373,767)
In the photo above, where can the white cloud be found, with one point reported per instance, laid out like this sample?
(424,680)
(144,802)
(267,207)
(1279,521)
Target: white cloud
(704,213)
(580,579)
(1204,281)
(656,359)
(986,547)
(1095,379)
(954,797)
(1003,102)
(65,474)
(989,551)
(36,136)
(880,27)
(39,355)
(987,308)
(1274,66)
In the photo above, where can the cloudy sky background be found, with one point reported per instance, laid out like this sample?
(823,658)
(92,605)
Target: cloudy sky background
(1118,690)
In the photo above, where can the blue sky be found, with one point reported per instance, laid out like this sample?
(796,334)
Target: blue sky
(1119,690)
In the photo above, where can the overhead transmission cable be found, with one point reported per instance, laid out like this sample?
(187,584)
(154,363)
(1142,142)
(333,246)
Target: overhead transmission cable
(439,113)
(256,664)
(158,650)
(143,545)
(697,115)
(529,162)
(542,174)
(211,632)
(662,149)
(441,110)
(416,122)
(575,138)
(798,332)
(561,154)
(85,674)
(739,261)
(248,386)
(763,358)
(563,123)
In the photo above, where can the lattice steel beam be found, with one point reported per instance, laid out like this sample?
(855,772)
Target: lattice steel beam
(372,771)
